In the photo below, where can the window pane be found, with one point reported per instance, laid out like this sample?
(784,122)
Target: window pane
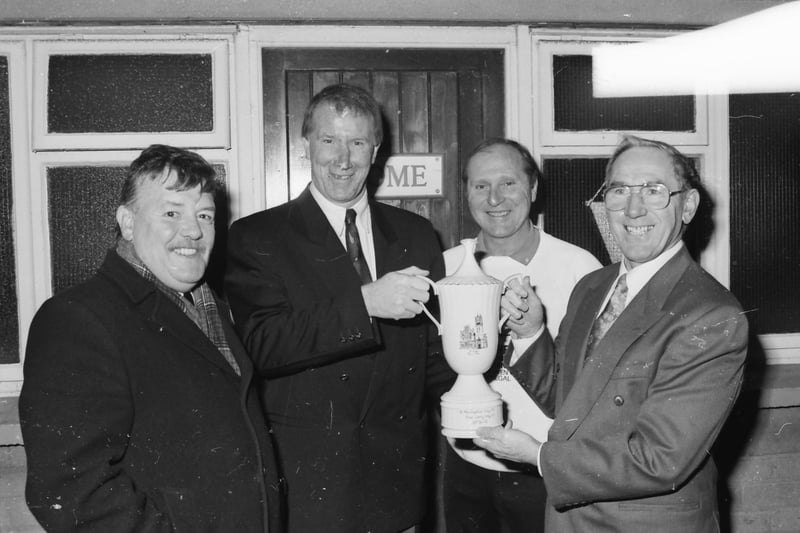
(82,205)
(566,185)
(129,93)
(765,193)
(575,109)
(9,325)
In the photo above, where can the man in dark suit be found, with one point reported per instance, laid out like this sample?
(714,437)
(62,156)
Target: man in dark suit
(137,410)
(348,359)
(648,362)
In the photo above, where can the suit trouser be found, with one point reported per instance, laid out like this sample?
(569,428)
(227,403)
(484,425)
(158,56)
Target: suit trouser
(477,500)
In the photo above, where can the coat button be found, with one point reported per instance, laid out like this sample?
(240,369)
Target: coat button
(412,369)
(401,418)
(618,400)
(344,377)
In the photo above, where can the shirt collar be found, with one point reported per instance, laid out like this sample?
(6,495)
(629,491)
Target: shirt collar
(639,276)
(335,213)
(525,254)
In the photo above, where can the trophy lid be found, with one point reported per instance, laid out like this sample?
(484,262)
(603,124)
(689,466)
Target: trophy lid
(469,272)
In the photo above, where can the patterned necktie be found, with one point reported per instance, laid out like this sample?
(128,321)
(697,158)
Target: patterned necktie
(612,310)
(354,247)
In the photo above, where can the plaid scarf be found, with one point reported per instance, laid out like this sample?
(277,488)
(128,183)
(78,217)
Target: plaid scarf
(203,311)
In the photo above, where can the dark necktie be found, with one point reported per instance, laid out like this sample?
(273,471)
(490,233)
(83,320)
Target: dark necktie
(354,247)
(612,310)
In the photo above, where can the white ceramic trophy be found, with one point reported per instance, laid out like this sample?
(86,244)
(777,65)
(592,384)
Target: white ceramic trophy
(469,303)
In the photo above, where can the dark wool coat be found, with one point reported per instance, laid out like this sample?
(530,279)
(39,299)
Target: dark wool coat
(133,421)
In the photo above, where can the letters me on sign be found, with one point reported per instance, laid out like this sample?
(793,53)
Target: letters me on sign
(411,175)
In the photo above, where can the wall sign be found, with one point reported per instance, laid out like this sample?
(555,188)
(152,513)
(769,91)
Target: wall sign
(411,175)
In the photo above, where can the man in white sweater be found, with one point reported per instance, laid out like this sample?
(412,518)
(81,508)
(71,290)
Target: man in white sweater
(481,493)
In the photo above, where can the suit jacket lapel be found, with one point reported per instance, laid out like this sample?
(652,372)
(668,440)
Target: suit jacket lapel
(164,315)
(582,325)
(387,251)
(171,319)
(640,314)
(321,245)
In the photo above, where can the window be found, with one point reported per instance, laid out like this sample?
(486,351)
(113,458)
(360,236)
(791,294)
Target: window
(765,192)
(94,103)
(9,324)
(747,219)
(121,94)
(15,254)
(82,197)
(578,132)
(569,115)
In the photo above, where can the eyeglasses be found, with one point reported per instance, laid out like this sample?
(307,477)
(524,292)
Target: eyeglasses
(654,195)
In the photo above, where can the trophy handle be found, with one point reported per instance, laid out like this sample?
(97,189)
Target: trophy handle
(505,316)
(425,309)
(502,321)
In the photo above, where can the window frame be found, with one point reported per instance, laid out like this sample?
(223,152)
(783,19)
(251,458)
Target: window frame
(217,48)
(710,143)
(24,47)
(21,218)
(546,48)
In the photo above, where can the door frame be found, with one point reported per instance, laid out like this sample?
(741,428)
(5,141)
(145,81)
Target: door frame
(260,191)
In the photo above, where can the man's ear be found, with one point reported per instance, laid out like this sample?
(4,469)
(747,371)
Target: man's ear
(125,222)
(375,152)
(690,204)
(534,191)
(305,148)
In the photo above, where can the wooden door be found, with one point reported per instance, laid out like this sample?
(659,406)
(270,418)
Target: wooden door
(434,101)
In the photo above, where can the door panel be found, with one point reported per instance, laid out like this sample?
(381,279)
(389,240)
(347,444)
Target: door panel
(434,101)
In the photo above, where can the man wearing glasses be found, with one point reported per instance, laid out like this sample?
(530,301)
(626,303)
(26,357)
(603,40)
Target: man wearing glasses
(645,369)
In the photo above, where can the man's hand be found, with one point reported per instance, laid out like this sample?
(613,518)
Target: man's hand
(509,444)
(398,294)
(524,308)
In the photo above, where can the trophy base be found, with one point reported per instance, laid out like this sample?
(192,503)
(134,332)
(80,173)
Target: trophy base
(461,419)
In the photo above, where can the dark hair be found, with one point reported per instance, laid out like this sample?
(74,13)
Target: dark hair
(529,166)
(343,97)
(683,166)
(157,161)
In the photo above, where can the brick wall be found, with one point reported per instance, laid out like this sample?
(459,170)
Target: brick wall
(764,482)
